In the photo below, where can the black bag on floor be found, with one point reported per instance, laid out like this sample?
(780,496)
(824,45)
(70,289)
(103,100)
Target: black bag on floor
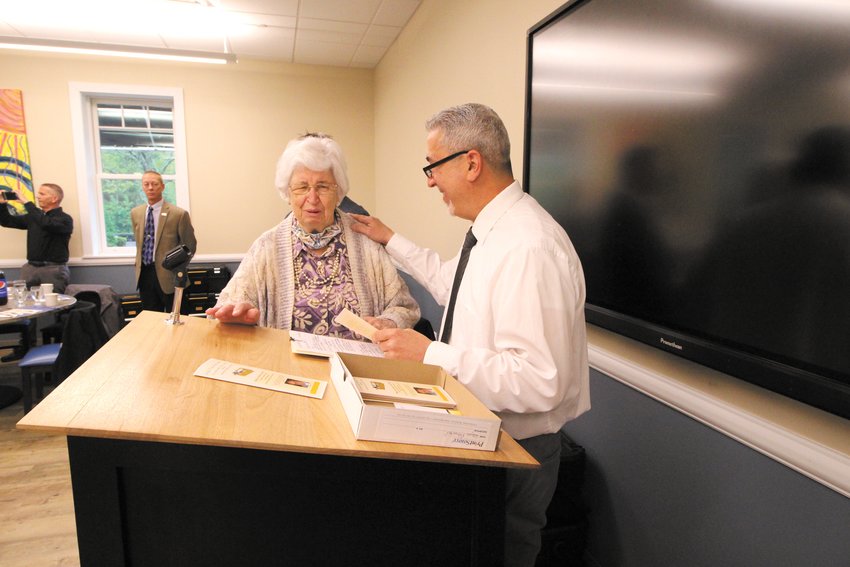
(565,534)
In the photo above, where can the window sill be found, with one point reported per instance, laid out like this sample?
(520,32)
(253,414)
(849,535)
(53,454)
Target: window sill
(125,260)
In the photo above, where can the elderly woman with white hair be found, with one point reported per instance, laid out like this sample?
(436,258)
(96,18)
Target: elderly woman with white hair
(302,273)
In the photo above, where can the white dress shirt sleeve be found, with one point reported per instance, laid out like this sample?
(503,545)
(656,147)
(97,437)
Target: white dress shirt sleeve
(425,266)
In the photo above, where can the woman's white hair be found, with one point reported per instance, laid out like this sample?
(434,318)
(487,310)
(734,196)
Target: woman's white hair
(317,152)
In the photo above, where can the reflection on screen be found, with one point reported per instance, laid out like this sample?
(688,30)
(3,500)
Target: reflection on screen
(698,154)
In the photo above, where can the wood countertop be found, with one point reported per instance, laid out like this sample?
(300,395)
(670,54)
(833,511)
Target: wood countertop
(140,386)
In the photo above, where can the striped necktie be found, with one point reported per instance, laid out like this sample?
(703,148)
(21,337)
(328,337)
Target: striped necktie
(147,249)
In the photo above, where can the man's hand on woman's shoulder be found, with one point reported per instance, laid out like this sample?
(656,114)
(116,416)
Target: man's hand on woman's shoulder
(372,228)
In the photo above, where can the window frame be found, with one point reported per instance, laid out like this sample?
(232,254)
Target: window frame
(83,97)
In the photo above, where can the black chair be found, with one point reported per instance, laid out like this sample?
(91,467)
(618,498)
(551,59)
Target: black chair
(84,334)
(424,327)
(53,333)
(26,333)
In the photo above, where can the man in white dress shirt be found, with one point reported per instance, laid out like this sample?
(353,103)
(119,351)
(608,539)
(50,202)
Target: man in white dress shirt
(518,338)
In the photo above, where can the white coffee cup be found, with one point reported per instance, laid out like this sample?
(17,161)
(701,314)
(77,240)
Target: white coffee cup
(51,299)
(46,288)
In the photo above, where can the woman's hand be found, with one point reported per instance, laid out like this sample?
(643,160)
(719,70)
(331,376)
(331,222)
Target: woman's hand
(239,313)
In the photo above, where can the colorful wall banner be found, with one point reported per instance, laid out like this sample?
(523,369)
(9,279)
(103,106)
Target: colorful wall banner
(15,170)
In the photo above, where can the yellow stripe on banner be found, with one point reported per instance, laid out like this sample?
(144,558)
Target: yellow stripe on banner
(440,393)
(315,388)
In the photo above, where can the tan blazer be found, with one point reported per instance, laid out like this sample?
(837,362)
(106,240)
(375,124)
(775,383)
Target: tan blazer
(175,228)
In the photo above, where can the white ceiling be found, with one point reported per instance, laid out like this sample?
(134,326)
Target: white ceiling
(347,33)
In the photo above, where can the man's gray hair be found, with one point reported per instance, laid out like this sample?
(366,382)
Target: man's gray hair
(60,194)
(317,152)
(474,126)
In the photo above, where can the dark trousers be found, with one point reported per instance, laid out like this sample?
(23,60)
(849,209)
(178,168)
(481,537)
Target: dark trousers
(151,294)
(57,274)
(528,493)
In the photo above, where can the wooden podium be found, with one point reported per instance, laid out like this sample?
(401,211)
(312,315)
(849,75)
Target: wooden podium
(172,469)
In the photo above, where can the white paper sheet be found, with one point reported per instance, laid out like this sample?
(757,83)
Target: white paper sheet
(322,345)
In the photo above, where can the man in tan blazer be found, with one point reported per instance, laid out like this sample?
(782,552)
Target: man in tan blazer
(159,227)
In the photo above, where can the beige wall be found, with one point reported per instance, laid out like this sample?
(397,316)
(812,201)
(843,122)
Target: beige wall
(451,52)
(238,119)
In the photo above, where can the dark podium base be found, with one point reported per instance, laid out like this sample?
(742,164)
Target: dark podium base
(160,504)
(9,395)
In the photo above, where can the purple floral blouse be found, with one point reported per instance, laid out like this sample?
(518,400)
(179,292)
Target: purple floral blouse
(324,286)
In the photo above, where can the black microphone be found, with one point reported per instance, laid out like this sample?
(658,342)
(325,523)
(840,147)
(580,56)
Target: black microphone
(177,257)
(176,260)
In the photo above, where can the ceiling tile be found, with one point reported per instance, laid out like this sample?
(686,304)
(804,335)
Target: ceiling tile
(194,43)
(311,52)
(340,10)
(271,7)
(395,12)
(368,56)
(250,18)
(329,37)
(270,43)
(329,31)
(328,25)
(381,36)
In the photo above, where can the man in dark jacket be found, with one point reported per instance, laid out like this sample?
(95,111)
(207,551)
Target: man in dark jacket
(49,230)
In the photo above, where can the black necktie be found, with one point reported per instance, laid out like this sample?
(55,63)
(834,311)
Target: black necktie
(468,243)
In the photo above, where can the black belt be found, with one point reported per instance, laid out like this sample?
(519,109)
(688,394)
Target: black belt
(38,264)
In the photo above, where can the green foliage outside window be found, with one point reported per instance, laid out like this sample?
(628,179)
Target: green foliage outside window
(121,194)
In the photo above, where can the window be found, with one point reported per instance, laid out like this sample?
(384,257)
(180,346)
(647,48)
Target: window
(131,139)
(120,134)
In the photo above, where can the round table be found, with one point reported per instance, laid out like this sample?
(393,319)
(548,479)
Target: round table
(31,310)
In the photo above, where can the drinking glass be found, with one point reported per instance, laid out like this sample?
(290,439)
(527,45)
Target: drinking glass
(36,294)
(19,292)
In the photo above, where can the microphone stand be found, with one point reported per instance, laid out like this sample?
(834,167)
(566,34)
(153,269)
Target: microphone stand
(180,283)
(177,260)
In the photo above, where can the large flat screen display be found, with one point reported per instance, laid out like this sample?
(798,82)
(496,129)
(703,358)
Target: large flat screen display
(697,152)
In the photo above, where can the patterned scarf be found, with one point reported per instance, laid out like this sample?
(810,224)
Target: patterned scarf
(317,240)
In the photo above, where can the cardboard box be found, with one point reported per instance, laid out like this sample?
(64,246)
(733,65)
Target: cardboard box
(470,426)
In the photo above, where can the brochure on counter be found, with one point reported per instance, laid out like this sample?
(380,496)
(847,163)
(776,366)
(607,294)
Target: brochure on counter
(404,392)
(260,378)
